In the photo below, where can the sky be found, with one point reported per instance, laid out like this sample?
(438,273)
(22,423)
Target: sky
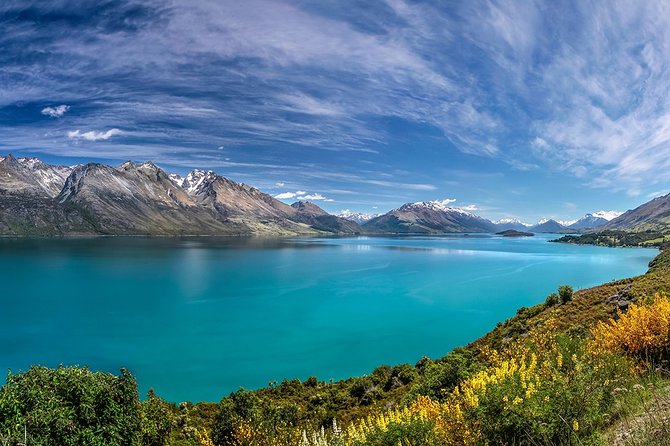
(526,109)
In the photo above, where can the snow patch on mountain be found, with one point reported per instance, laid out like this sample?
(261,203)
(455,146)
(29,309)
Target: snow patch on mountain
(51,178)
(437,205)
(511,221)
(357,217)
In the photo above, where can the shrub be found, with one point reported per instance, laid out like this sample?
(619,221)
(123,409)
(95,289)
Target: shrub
(643,331)
(552,300)
(70,406)
(157,417)
(565,293)
(440,377)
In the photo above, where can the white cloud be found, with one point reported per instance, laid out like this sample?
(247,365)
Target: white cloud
(446,201)
(302,195)
(56,112)
(607,215)
(279,184)
(93,135)
(469,208)
(658,193)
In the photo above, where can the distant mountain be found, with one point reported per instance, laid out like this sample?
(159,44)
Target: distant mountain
(358,217)
(505,224)
(317,218)
(589,221)
(428,217)
(36,198)
(653,215)
(551,226)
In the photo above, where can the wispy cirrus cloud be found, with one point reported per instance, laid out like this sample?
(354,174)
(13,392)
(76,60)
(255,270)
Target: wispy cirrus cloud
(577,89)
(93,135)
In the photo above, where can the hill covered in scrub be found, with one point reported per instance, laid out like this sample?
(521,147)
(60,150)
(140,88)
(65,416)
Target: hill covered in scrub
(584,367)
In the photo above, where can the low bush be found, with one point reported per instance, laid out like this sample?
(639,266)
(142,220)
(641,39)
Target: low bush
(70,406)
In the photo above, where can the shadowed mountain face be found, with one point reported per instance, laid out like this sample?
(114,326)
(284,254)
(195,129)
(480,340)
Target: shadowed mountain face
(549,226)
(653,215)
(36,198)
(428,218)
(313,215)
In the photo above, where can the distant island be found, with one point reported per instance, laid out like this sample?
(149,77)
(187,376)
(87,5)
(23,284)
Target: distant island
(515,233)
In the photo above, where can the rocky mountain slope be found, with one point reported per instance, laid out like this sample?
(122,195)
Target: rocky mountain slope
(317,218)
(428,217)
(589,221)
(653,215)
(39,199)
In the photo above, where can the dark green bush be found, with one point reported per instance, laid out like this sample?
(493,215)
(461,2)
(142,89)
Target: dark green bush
(70,406)
(552,300)
(565,293)
(440,377)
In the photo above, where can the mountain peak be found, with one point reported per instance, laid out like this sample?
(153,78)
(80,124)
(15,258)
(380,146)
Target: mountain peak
(356,217)
(436,205)
(197,180)
(305,207)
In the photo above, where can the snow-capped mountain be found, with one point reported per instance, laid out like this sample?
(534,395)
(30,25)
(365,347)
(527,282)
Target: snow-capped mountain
(195,181)
(589,221)
(50,178)
(357,217)
(505,224)
(30,175)
(141,198)
(426,217)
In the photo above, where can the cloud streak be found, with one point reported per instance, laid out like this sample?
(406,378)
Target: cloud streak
(352,90)
(93,135)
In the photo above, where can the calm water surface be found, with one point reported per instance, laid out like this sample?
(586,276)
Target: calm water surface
(198,318)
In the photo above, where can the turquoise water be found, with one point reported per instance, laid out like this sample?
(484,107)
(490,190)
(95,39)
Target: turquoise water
(197,318)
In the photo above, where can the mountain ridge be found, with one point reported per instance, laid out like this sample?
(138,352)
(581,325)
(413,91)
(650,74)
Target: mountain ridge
(140,198)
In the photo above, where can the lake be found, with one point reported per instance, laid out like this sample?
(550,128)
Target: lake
(197,318)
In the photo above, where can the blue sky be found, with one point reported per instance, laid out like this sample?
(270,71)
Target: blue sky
(524,109)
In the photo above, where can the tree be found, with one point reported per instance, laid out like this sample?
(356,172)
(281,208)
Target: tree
(565,293)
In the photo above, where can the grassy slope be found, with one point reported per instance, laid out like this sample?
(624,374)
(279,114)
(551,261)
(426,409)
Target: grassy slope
(587,307)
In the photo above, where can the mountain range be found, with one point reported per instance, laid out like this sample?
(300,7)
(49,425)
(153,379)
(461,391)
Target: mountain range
(142,199)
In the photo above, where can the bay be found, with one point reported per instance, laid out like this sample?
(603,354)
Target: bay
(197,318)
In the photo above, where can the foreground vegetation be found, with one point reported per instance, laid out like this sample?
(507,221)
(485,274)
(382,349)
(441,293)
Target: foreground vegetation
(583,368)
